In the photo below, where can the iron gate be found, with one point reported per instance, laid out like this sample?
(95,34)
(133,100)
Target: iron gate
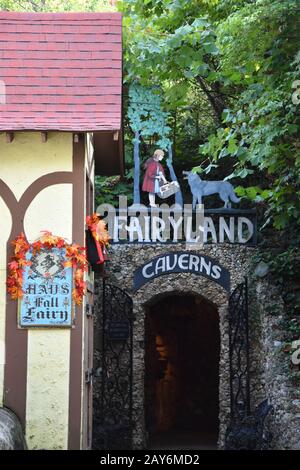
(116,370)
(239,351)
(246,428)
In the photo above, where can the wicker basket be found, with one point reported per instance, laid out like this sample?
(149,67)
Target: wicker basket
(168,189)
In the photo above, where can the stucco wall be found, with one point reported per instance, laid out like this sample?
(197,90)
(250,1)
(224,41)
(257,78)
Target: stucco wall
(27,158)
(24,160)
(48,351)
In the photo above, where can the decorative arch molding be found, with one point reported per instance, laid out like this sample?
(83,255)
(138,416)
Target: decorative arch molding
(19,208)
(179,284)
(158,297)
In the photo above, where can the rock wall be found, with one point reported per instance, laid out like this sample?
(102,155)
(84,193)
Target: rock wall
(124,260)
(269,370)
(11,434)
(271,366)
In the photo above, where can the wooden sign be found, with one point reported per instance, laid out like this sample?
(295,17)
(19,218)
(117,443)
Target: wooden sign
(181,262)
(47,287)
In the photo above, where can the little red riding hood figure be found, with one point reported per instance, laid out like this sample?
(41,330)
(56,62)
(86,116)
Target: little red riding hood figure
(154,174)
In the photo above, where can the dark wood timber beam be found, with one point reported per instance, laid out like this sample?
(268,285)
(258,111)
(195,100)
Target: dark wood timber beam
(44,137)
(9,137)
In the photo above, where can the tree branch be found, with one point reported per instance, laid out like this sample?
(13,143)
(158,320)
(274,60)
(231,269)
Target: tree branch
(217,103)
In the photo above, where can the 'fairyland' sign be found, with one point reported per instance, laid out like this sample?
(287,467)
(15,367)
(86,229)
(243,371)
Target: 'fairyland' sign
(181,262)
(140,224)
(47,287)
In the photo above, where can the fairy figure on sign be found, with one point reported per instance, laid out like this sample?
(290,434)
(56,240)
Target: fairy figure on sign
(154,176)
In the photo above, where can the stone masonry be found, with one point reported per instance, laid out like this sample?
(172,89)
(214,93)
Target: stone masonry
(268,377)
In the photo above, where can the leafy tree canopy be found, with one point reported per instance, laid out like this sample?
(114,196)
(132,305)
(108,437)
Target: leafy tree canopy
(241,58)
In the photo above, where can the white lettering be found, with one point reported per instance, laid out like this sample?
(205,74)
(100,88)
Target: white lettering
(145,269)
(183,261)
(189,231)
(118,224)
(176,224)
(209,227)
(160,265)
(168,265)
(147,228)
(164,224)
(135,230)
(158,226)
(250,229)
(223,227)
(194,263)
(205,265)
(216,272)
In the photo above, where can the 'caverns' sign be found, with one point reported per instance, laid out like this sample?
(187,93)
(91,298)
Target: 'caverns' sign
(181,262)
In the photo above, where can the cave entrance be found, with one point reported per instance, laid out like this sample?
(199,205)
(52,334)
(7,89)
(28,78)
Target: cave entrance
(182,351)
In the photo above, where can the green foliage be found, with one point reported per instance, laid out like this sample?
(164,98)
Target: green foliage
(254,193)
(108,190)
(236,61)
(167,44)
(146,115)
(284,265)
(260,132)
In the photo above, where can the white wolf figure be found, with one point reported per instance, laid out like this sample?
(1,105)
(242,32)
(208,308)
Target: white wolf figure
(200,188)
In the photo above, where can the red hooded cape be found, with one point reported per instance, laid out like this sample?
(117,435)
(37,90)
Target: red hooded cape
(151,172)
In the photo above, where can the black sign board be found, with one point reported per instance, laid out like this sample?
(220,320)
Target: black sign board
(181,262)
(118,330)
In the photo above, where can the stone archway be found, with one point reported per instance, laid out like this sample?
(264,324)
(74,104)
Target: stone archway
(125,259)
(177,284)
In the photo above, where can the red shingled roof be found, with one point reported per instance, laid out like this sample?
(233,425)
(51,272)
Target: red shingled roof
(62,71)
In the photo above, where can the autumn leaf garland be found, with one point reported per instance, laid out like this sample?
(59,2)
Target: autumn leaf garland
(15,267)
(98,229)
(76,259)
